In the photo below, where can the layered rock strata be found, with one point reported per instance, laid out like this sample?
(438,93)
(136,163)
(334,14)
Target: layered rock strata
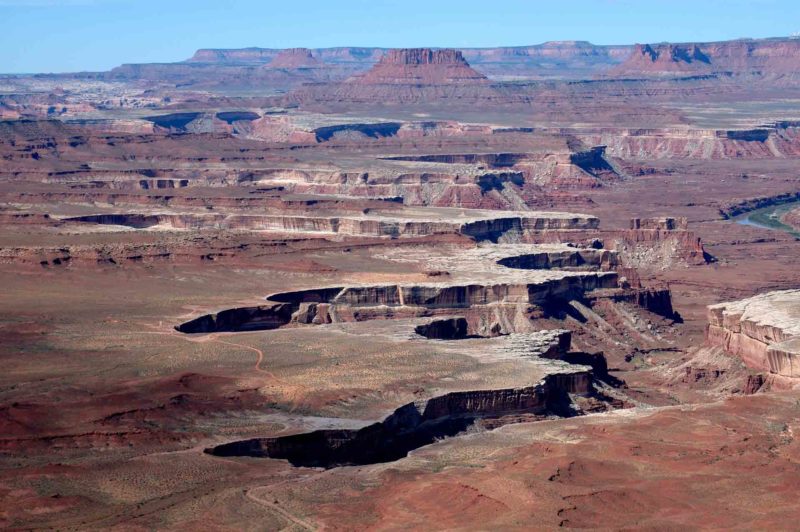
(521,285)
(764,331)
(479,225)
(775,140)
(357,303)
(659,242)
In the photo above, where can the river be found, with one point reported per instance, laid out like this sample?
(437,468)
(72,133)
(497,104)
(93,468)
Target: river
(770,218)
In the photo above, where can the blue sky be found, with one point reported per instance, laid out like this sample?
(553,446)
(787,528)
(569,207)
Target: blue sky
(72,35)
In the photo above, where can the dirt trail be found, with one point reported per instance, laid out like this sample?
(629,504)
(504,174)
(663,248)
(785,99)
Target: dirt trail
(213,338)
(293,391)
(259,352)
(280,511)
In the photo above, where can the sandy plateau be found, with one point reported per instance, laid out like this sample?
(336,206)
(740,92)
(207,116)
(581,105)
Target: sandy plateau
(360,289)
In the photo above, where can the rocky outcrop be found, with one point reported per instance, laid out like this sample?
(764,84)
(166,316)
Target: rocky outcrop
(599,259)
(493,229)
(421,66)
(764,331)
(136,221)
(295,58)
(660,224)
(749,135)
(154,184)
(283,128)
(658,243)
(658,301)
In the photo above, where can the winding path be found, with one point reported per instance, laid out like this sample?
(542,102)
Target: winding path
(280,511)
(213,338)
(293,390)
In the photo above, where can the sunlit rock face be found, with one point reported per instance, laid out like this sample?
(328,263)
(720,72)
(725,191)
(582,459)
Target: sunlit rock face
(763,330)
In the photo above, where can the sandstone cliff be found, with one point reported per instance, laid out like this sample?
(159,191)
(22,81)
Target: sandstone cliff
(764,331)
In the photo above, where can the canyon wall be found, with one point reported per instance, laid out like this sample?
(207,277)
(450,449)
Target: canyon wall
(358,303)
(416,424)
(769,141)
(480,228)
(764,331)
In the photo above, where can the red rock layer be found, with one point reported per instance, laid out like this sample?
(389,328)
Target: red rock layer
(421,66)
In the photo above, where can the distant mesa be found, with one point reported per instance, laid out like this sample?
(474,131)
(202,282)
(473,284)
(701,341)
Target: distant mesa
(666,58)
(295,58)
(773,56)
(675,53)
(403,76)
(345,55)
(233,56)
(421,66)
